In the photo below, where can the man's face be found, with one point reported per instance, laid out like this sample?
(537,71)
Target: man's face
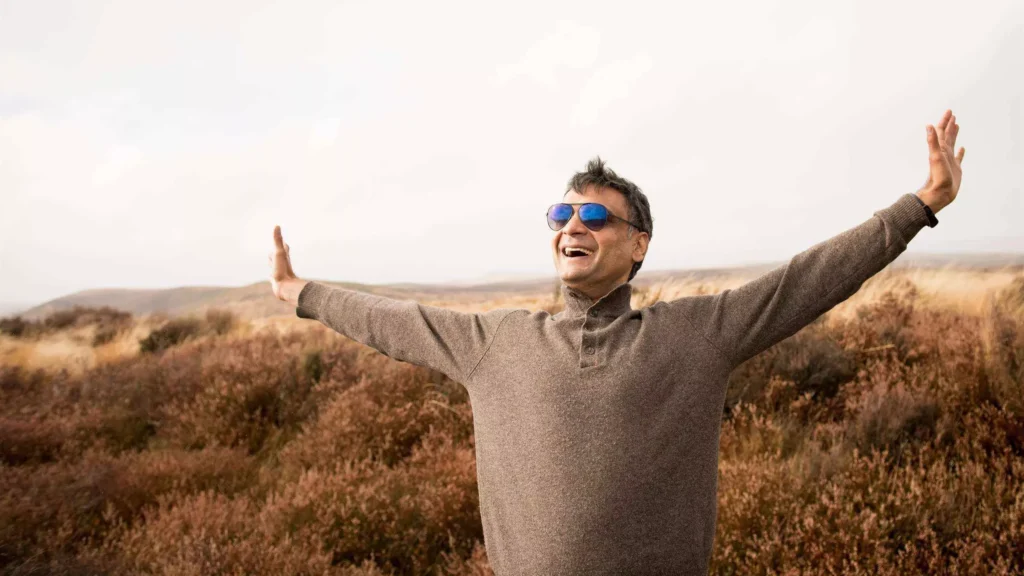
(613,249)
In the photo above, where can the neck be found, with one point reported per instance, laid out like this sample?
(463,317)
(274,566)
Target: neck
(597,291)
(579,304)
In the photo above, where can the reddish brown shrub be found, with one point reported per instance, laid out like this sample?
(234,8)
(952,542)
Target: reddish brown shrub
(207,533)
(892,443)
(887,416)
(406,518)
(172,333)
(250,392)
(57,508)
(18,327)
(220,321)
(381,418)
(811,360)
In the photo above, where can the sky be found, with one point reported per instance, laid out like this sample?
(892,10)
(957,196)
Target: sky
(152,145)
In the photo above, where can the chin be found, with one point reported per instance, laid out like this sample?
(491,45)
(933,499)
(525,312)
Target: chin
(571,277)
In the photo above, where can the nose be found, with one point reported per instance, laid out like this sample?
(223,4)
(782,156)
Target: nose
(575,226)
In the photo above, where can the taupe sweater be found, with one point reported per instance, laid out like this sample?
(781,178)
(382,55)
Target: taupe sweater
(597,428)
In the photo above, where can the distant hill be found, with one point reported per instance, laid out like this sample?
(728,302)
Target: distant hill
(12,308)
(256,301)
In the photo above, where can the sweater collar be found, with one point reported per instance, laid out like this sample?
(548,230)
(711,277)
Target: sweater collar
(614,303)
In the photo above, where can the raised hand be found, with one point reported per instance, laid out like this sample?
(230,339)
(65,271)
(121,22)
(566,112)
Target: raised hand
(943,167)
(283,281)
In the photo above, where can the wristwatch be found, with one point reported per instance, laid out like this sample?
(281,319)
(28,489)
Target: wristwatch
(932,220)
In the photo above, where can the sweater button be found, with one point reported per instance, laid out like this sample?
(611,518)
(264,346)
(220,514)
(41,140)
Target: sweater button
(588,350)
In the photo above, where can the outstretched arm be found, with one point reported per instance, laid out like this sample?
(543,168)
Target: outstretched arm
(446,340)
(743,322)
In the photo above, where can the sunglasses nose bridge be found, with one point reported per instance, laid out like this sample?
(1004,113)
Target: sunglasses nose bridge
(575,222)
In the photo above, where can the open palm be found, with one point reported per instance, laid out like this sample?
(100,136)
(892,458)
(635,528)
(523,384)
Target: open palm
(280,264)
(944,171)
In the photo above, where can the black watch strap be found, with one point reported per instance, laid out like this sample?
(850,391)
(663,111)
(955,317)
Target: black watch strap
(932,220)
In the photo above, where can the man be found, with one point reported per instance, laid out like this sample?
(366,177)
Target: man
(597,428)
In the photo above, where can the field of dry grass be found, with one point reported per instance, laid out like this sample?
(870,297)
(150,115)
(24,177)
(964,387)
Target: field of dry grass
(885,438)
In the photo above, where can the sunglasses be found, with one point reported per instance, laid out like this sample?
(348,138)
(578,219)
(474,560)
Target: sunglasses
(593,216)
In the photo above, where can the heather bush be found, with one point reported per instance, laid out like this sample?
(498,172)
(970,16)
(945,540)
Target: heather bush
(18,327)
(20,387)
(220,321)
(887,442)
(172,333)
(78,316)
(812,360)
(208,533)
(885,326)
(108,322)
(868,517)
(358,517)
(60,507)
(24,441)
(1003,347)
(380,418)
(249,392)
(405,518)
(887,416)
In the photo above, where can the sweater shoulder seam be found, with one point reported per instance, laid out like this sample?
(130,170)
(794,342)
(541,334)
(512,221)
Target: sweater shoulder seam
(494,336)
(721,354)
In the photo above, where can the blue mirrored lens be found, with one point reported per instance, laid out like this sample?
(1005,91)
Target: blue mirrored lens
(593,216)
(559,215)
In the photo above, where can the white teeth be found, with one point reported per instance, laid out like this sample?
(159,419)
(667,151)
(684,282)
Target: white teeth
(568,250)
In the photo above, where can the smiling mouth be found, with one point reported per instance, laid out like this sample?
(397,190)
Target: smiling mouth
(572,252)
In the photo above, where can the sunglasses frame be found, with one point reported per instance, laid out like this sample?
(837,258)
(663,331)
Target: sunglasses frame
(575,211)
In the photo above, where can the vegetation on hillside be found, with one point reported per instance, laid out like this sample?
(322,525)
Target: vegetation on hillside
(889,440)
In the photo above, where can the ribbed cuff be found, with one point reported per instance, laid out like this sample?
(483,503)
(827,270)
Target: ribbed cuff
(311,297)
(907,215)
(932,220)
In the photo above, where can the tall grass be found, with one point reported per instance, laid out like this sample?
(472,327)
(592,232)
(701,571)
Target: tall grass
(885,438)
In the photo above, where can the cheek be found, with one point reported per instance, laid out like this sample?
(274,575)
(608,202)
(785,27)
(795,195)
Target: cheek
(616,248)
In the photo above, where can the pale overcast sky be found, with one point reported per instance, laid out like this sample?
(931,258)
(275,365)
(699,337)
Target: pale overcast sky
(148,144)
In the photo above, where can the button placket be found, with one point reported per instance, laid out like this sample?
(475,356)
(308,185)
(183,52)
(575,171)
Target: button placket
(588,348)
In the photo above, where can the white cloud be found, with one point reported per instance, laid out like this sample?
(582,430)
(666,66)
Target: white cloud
(118,161)
(569,46)
(324,133)
(609,84)
(151,146)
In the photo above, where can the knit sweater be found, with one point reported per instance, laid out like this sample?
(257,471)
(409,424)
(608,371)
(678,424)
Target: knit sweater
(597,428)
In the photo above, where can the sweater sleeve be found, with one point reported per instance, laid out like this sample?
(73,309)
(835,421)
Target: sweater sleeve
(740,323)
(450,341)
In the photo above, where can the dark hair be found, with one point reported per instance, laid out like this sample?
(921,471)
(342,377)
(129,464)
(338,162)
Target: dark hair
(597,174)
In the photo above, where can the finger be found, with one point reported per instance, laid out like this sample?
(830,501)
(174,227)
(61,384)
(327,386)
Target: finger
(278,239)
(287,248)
(950,131)
(960,155)
(945,120)
(933,140)
(940,128)
(955,130)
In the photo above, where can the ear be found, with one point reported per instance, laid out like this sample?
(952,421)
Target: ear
(640,243)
